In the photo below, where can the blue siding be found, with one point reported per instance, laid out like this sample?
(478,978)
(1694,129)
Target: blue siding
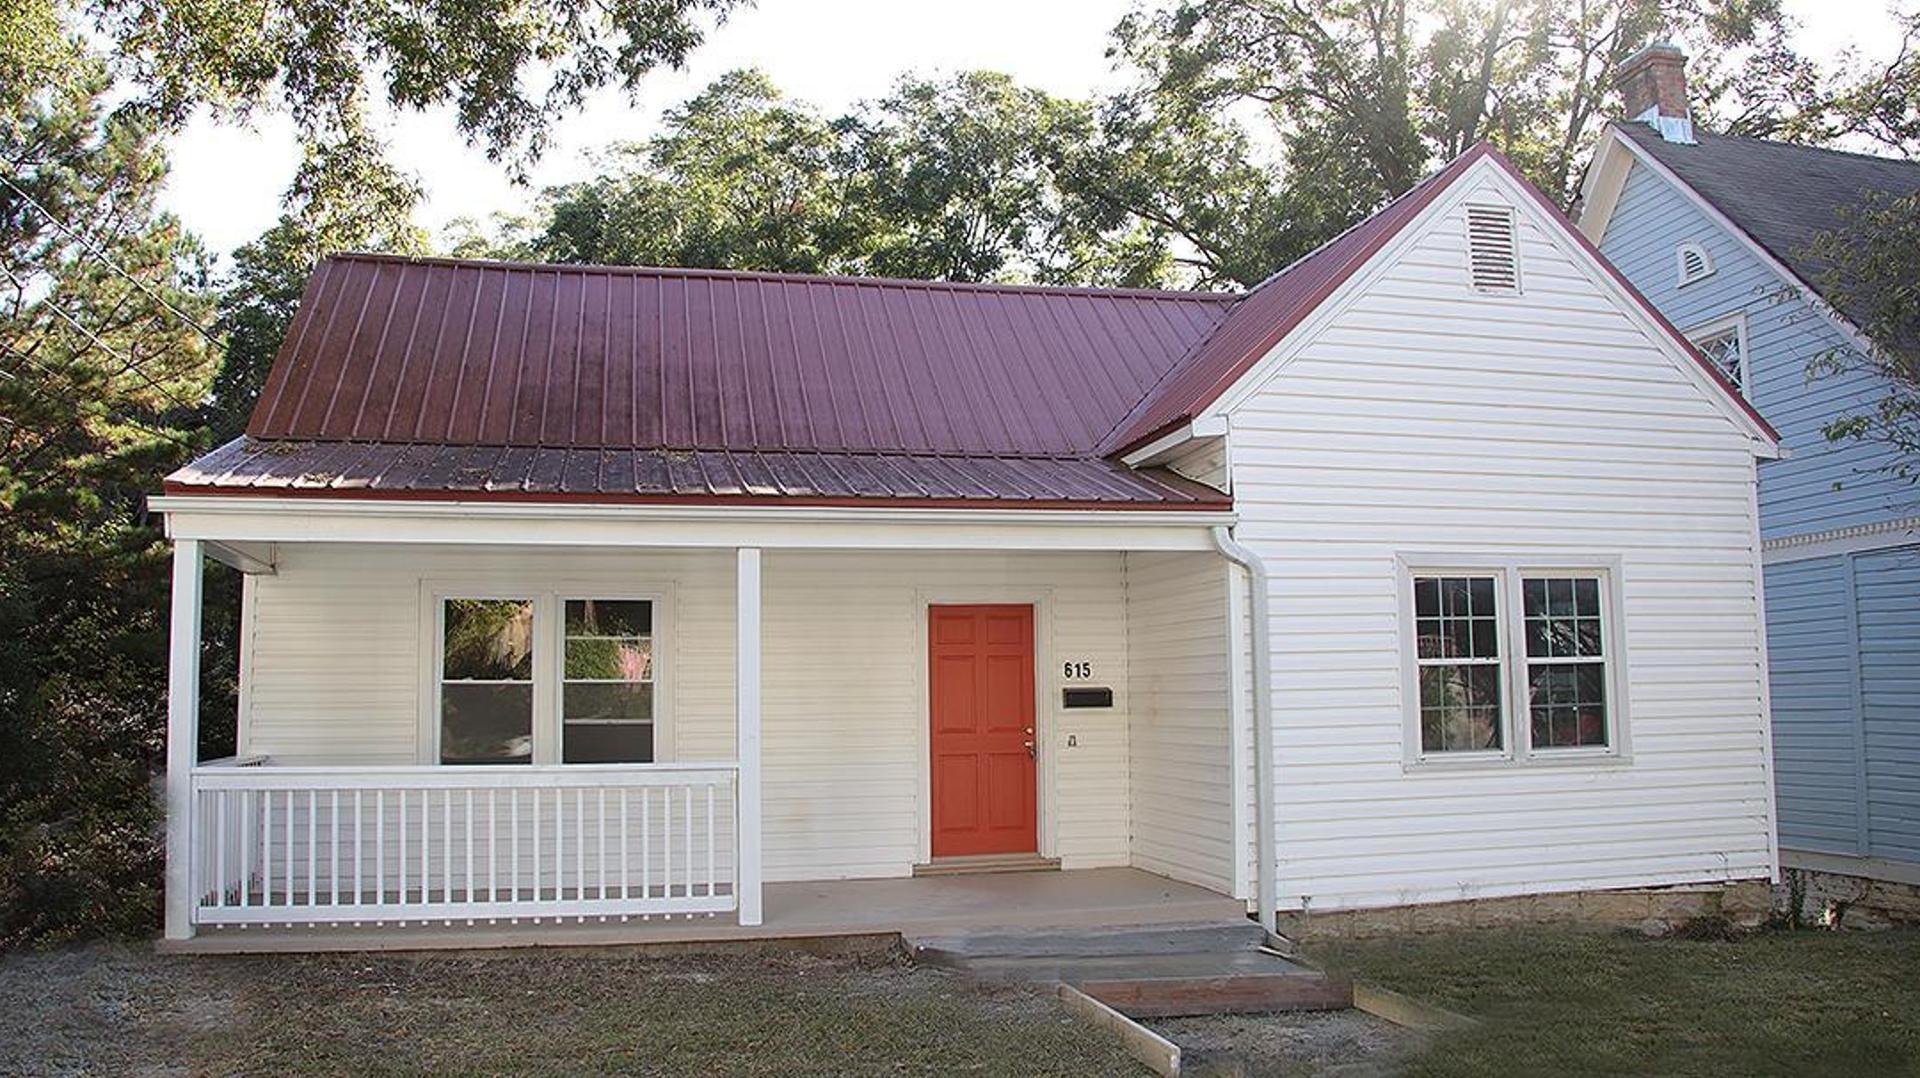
(1816,734)
(1821,486)
(1887,588)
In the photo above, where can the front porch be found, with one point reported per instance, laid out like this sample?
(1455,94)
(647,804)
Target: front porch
(779,777)
(818,910)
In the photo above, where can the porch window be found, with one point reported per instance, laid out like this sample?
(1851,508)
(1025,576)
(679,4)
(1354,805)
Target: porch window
(486,681)
(606,694)
(1543,637)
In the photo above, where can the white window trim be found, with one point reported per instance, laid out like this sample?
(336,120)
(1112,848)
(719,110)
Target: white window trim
(549,630)
(1680,253)
(1516,736)
(1714,327)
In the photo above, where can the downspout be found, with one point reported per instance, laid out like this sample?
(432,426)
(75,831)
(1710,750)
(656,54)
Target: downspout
(1263,809)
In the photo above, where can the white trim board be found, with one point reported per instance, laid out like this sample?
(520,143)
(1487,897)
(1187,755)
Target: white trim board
(1854,540)
(346,520)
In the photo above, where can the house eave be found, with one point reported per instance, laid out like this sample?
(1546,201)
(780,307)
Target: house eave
(267,519)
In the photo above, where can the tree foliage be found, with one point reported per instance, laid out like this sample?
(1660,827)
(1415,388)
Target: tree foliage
(102,372)
(509,69)
(1873,273)
(960,178)
(1362,97)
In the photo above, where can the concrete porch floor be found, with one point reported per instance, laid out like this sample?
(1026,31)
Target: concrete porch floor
(920,905)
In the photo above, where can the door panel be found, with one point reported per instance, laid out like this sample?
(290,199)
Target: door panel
(980,664)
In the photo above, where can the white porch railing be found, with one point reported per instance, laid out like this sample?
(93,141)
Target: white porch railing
(325,845)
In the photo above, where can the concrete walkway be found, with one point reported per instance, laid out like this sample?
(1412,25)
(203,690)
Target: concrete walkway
(1216,967)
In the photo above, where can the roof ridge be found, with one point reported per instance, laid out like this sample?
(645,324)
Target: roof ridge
(1785,145)
(1187,294)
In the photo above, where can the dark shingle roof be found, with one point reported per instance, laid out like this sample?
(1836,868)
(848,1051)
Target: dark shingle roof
(1782,195)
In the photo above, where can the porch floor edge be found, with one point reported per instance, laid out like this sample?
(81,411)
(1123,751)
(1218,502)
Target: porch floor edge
(797,914)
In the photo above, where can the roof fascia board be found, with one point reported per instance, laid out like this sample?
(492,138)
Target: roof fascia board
(1558,229)
(307,519)
(1603,184)
(1211,426)
(1700,202)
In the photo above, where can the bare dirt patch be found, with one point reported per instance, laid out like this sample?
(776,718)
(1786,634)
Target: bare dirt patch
(1346,1044)
(122,1009)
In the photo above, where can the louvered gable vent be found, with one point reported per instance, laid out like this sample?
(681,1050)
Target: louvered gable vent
(1492,252)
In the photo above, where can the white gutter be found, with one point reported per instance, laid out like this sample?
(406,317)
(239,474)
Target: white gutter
(1267,888)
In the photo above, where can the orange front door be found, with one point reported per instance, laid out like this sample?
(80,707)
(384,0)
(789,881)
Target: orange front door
(980,663)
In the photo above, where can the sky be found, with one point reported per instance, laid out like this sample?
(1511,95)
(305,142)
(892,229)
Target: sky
(227,178)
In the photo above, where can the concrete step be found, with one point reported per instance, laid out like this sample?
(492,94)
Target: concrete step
(987,863)
(1211,937)
(1215,967)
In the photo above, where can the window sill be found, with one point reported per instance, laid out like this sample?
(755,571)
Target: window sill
(1550,760)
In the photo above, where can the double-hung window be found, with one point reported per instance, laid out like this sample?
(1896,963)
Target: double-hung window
(547,678)
(486,681)
(1510,663)
(606,693)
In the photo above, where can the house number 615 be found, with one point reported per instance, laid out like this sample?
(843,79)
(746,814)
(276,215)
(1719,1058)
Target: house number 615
(1078,670)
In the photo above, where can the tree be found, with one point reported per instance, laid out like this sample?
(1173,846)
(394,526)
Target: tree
(103,369)
(959,179)
(1359,98)
(741,177)
(509,68)
(1874,101)
(1873,273)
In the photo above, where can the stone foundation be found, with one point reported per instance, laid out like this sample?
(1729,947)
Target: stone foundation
(1812,897)
(1746,903)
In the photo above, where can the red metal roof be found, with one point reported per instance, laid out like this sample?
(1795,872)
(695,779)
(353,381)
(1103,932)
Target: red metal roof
(358,469)
(445,352)
(416,377)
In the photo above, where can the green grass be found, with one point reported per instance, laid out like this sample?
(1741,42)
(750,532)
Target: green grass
(1577,1003)
(118,1010)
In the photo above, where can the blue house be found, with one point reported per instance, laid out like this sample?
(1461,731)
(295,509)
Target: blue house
(1714,230)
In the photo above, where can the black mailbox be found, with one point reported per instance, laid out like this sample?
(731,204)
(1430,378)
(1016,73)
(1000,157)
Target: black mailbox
(1086,697)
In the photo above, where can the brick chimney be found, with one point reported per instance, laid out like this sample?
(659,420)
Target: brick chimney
(1654,85)
(1653,82)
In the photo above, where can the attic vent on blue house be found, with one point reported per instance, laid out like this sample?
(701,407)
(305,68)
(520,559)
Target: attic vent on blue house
(1493,253)
(1692,262)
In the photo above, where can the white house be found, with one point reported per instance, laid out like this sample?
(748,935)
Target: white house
(1426,570)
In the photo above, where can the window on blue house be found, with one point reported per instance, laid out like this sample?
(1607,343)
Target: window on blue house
(1724,342)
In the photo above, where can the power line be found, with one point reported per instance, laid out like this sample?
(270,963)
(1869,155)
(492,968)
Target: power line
(127,363)
(111,264)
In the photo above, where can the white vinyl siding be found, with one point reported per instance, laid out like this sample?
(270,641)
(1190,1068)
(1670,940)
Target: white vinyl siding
(1204,460)
(336,676)
(1426,416)
(1184,784)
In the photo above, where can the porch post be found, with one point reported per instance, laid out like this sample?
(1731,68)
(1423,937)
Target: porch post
(746,710)
(183,733)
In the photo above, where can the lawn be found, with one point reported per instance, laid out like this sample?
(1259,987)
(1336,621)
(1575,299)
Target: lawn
(1574,1003)
(122,1009)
